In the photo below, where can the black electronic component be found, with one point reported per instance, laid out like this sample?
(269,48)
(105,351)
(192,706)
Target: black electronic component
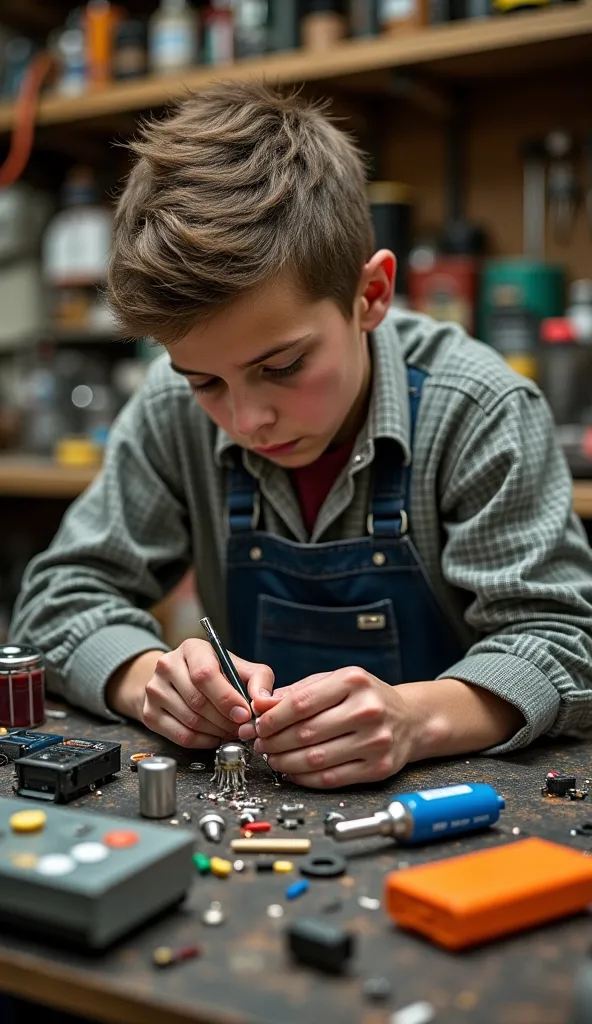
(558,785)
(23,742)
(67,769)
(265,864)
(320,944)
(323,865)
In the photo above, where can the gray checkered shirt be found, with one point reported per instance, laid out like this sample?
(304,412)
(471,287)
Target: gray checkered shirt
(491,516)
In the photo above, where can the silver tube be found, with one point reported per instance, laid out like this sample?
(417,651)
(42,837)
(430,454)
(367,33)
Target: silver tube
(157,781)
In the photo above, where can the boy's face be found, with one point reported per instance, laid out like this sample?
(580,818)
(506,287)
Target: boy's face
(282,376)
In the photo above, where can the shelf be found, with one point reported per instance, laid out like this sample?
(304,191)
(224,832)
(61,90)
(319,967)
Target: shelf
(30,477)
(474,48)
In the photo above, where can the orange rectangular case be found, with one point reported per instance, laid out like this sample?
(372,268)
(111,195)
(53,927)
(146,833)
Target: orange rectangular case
(479,896)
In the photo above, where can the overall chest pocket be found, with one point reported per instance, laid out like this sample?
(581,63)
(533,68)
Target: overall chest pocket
(297,640)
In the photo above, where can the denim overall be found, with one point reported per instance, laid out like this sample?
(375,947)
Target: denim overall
(305,608)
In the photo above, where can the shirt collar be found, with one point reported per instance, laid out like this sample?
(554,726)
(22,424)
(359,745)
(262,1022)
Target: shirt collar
(388,413)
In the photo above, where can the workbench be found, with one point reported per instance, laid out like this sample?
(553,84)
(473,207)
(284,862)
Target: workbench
(245,974)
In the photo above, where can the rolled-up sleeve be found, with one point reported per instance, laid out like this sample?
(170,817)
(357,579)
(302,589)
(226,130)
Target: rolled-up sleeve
(514,544)
(122,545)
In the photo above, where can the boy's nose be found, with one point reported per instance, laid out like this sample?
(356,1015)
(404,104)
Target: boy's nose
(249,417)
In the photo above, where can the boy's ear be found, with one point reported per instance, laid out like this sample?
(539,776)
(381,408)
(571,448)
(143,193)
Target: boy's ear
(376,289)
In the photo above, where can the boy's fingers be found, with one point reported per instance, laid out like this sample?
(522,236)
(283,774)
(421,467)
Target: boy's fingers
(303,700)
(206,676)
(258,678)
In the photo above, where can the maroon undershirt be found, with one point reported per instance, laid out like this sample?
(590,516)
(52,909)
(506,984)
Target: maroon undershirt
(312,483)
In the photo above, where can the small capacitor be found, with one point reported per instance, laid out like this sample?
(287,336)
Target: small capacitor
(157,779)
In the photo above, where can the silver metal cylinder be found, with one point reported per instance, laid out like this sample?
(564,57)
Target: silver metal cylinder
(157,780)
(395,821)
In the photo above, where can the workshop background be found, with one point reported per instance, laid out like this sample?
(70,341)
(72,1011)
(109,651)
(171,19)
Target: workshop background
(477,119)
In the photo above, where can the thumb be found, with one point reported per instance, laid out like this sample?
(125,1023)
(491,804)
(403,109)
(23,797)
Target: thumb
(259,678)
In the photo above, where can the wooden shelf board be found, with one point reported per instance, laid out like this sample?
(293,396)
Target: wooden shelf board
(30,477)
(460,42)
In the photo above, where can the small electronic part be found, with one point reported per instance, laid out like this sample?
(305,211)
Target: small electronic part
(239,865)
(368,903)
(213,915)
(212,826)
(165,956)
(255,826)
(320,944)
(264,864)
(291,812)
(324,865)
(556,784)
(135,759)
(377,989)
(283,867)
(297,889)
(230,768)
(275,910)
(157,778)
(202,863)
(66,770)
(24,742)
(220,867)
(330,820)
(428,815)
(290,824)
(473,898)
(421,1012)
(271,845)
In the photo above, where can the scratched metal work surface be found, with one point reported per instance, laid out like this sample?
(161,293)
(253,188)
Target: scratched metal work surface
(245,975)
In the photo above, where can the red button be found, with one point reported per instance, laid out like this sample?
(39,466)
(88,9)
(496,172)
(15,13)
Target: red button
(120,838)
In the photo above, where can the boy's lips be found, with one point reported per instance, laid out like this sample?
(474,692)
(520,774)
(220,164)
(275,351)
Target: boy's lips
(277,449)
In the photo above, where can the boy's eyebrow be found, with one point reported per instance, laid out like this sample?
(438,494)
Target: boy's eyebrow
(275,351)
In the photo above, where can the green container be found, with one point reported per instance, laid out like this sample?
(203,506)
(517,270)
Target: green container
(514,296)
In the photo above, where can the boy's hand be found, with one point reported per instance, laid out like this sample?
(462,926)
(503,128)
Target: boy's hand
(332,729)
(189,700)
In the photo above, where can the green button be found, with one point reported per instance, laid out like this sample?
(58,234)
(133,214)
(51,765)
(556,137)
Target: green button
(202,863)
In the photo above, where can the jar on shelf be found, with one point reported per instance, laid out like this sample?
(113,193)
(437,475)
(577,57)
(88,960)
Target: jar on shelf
(22,687)
(324,24)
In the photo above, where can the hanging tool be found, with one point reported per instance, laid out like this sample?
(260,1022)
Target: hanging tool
(427,814)
(563,193)
(533,202)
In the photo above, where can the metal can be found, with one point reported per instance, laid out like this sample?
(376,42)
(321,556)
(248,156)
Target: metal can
(22,687)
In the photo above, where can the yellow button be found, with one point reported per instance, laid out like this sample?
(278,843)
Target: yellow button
(27,821)
(283,866)
(220,867)
(24,860)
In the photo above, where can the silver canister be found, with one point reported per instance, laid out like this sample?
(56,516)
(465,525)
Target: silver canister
(157,780)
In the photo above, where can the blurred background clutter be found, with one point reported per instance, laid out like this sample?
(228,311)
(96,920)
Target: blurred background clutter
(476,117)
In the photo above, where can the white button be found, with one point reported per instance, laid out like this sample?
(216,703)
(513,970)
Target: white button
(56,864)
(89,853)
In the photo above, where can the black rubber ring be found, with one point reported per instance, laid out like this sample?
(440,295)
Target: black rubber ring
(323,865)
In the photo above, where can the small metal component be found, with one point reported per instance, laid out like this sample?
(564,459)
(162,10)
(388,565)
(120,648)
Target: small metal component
(324,865)
(164,956)
(213,826)
(577,794)
(230,768)
(174,821)
(515,831)
(214,914)
(297,889)
(330,820)
(157,778)
(275,910)
(342,804)
(54,713)
(246,818)
(135,760)
(289,823)
(376,989)
(416,1013)
(368,903)
(292,812)
(186,816)
(98,792)
(239,865)
(197,766)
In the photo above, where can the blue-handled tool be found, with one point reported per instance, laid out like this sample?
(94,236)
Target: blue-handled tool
(426,815)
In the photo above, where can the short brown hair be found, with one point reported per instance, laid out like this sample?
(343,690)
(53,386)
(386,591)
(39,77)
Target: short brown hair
(237,185)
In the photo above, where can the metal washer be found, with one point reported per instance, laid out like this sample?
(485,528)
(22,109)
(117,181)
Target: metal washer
(323,865)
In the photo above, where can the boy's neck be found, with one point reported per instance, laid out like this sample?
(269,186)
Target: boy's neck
(359,410)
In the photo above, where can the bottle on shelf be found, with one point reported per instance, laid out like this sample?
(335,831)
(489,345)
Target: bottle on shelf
(172,37)
(252,27)
(324,24)
(218,32)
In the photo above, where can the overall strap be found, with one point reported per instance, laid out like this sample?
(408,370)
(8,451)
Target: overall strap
(242,498)
(392,480)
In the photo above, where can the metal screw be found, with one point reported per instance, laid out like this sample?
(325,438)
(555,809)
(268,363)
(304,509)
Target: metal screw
(330,820)
(213,826)
(214,914)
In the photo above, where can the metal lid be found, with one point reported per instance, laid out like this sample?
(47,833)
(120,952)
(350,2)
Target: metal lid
(18,656)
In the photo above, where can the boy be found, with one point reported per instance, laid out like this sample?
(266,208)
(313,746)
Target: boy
(369,498)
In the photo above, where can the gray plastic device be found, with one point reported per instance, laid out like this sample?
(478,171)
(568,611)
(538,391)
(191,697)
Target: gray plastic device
(74,880)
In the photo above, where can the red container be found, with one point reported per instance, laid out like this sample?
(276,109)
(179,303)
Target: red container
(22,687)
